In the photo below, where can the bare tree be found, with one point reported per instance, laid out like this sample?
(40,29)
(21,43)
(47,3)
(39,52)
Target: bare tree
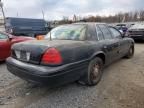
(141,15)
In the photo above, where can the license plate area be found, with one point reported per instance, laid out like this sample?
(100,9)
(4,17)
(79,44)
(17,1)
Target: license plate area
(23,55)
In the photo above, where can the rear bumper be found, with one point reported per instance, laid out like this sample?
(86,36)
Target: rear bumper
(51,76)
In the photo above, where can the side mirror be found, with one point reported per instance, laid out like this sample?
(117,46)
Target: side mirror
(10,38)
(40,37)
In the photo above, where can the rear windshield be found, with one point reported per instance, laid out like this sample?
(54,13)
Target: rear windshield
(68,32)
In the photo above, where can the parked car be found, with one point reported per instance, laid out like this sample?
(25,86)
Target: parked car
(136,32)
(75,52)
(122,27)
(6,41)
(26,26)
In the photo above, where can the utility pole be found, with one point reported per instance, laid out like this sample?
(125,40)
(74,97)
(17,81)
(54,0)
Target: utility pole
(17,14)
(1,6)
(43,14)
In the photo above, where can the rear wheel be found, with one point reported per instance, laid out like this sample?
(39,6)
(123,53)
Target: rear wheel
(130,52)
(94,72)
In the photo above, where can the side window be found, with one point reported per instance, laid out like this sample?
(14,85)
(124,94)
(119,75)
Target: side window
(99,34)
(106,32)
(115,33)
(2,36)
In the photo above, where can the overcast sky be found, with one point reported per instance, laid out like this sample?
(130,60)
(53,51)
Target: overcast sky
(56,9)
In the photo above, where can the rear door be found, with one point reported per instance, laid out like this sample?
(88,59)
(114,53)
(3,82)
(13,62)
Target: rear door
(111,45)
(5,46)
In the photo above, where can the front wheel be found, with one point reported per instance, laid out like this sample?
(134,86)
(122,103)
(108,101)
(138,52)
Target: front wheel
(130,53)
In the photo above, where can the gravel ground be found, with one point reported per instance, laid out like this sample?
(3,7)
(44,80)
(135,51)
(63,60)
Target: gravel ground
(122,86)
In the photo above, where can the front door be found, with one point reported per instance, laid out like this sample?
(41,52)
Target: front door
(123,48)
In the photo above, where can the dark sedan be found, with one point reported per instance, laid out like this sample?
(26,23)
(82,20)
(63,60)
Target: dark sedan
(75,52)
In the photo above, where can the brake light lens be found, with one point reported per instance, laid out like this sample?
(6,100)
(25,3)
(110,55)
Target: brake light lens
(52,57)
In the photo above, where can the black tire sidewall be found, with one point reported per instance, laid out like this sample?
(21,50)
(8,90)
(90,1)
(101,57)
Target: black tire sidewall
(130,55)
(91,64)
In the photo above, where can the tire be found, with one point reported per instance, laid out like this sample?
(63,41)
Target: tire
(130,53)
(94,73)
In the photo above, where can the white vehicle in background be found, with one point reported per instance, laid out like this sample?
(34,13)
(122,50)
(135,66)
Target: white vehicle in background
(136,32)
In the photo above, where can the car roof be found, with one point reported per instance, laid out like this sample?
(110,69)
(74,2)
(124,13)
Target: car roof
(88,23)
(82,23)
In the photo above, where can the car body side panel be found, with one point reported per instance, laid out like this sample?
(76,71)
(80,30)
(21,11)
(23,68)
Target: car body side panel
(71,51)
(5,46)
(90,49)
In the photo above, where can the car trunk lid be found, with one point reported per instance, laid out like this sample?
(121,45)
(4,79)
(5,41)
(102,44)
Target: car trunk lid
(32,51)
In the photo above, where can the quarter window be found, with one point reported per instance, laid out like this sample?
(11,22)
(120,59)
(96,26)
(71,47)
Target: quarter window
(106,32)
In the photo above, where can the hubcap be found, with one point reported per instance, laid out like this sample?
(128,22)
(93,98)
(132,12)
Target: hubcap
(95,71)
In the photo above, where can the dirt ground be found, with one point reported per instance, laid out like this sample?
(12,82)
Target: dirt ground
(122,86)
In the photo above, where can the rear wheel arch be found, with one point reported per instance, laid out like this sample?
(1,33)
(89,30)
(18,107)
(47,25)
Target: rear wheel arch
(100,55)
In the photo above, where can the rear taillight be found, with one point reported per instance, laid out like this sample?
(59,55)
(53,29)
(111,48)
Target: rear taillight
(52,57)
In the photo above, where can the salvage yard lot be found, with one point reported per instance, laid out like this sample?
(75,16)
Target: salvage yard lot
(122,86)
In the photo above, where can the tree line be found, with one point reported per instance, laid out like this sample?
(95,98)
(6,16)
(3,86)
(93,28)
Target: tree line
(117,18)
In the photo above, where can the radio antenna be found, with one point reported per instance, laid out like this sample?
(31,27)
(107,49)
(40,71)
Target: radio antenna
(50,36)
